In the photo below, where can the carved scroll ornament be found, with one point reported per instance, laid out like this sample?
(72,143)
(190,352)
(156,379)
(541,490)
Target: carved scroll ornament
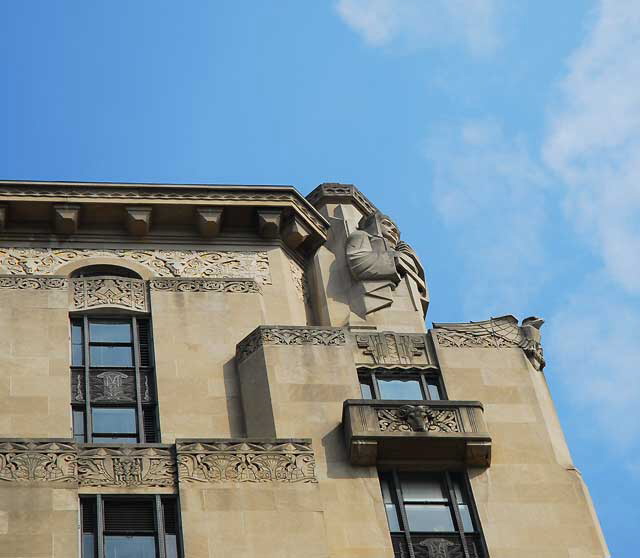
(289,335)
(418,418)
(34,282)
(246,461)
(205,285)
(126,466)
(23,461)
(393,348)
(496,333)
(163,263)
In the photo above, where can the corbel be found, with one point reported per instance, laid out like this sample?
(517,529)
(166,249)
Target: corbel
(295,233)
(138,219)
(209,220)
(269,222)
(66,218)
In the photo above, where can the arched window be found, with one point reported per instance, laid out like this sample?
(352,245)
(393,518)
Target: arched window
(113,394)
(105,270)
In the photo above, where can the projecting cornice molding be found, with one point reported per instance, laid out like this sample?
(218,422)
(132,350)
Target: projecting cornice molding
(496,333)
(334,192)
(201,207)
(290,335)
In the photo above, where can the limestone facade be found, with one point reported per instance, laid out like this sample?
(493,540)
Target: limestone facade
(265,332)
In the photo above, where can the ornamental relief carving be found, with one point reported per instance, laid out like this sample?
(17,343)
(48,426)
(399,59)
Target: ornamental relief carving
(387,348)
(163,263)
(418,418)
(496,333)
(126,466)
(24,461)
(16,282)
(289,335)
(205,285)
(96,292)
(246,461)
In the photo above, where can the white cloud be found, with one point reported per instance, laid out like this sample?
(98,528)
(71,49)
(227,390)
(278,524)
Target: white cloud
(424,23)
(593,143)
(593,340)
(491,194)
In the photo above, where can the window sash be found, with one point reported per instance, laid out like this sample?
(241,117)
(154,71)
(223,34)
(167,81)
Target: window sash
(431,385)
(80,329)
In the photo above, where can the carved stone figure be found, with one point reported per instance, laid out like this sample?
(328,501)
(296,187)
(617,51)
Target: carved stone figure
(532,342)
(378,260)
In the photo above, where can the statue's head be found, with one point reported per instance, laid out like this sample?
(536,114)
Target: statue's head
(380,225)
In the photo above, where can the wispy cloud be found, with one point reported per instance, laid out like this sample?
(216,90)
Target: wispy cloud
(594,140)
(488,188)
(425,23)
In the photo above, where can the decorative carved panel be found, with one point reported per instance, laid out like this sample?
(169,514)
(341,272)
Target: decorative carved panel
(289,335)
(164,263)
(388,348)
(113,385)
(35,282)
(496,333)
(418,418)
(299,280)
(126,466)
(99,292)
(246,461)
(26,460)
(205,285)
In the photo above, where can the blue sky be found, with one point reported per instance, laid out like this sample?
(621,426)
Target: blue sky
(502,136)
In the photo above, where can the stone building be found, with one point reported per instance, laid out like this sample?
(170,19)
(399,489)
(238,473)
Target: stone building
(215,371)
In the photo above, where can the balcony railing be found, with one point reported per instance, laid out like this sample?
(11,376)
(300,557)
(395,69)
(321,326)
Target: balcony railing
(432,432)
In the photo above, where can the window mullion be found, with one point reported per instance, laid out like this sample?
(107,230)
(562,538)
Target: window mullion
(403,513)
(100,529)
(453,503)
(425,387)
(88,422)
(136,362)
(374,383)
(159,515)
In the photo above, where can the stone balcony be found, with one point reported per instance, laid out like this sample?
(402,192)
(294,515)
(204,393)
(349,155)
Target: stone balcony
(442,433)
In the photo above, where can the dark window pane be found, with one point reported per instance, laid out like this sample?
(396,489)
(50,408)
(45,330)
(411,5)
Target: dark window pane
(78,423)
(399,389)
(77,355)
(429,518)
(434,389)
(123,546)
(172,545)
(386,491)
(88,545)
(76,333)
(112,420)
(111,356)
(109,332)
(365,390)
(422,487)
(132,517)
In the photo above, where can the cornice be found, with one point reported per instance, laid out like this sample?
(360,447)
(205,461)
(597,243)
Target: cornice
(145,193)
(334,192)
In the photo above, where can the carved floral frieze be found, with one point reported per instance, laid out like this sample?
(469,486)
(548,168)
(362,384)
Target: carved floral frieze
(418,418)
(246,461)
(163,263)
(126,466)
(39,461)
(205,285)
(290,335)
(118,292)
(33,282)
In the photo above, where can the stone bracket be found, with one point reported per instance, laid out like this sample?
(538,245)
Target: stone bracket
(138,219)
(269,222)
(209,220)
(65,218)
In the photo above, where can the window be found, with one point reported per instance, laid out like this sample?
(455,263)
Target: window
(400,384)
(125,527)
(112,380)
(431,513)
